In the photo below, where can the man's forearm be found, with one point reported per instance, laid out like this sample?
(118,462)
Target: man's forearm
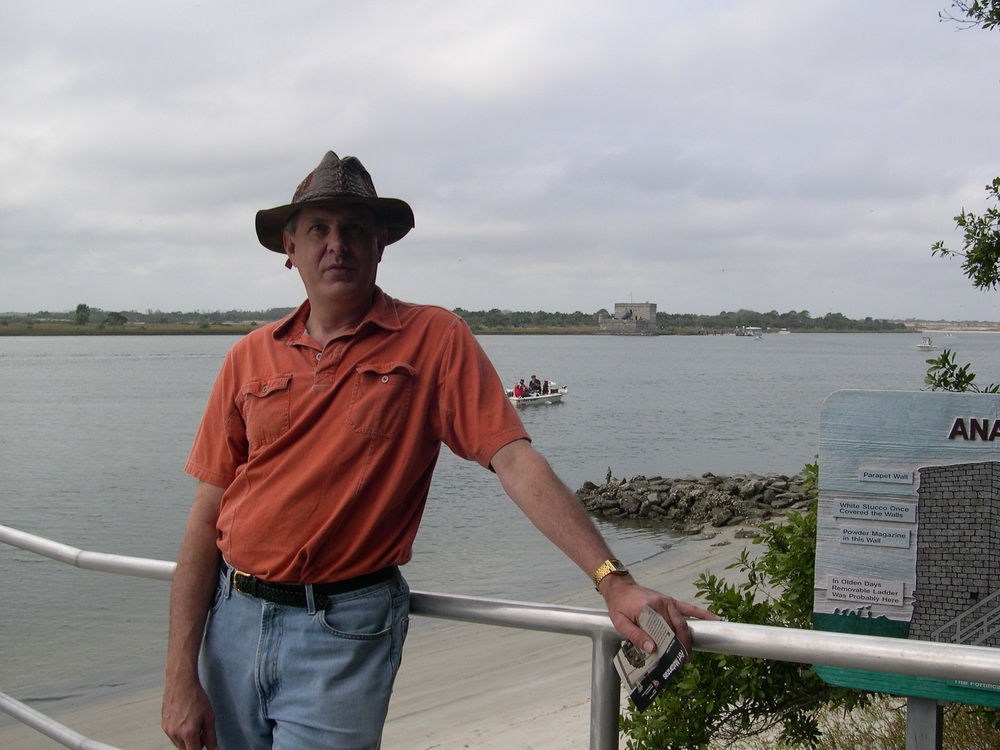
(193,583)
(530,482)
(186,715)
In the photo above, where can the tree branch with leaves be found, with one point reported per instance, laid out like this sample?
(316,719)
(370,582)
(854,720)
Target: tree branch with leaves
(974,13)
(981,250)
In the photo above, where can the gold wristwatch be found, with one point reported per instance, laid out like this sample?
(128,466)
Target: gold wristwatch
(610,567)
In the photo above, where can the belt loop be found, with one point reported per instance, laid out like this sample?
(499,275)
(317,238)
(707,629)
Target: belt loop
(227,585)
(310,599)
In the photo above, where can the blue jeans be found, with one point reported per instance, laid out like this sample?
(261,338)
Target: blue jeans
(299,678)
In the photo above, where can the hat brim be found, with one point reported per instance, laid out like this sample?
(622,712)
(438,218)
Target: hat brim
(394,213)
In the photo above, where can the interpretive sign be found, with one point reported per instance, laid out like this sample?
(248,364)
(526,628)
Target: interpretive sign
(908,528)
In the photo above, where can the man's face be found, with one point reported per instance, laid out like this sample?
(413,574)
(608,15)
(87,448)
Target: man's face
(336,250)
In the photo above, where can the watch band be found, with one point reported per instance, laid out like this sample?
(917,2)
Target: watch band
(609,567)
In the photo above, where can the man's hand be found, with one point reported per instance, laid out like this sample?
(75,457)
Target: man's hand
(187,718)
(626,598)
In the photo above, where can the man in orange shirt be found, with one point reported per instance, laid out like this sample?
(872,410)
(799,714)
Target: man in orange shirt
(314,460)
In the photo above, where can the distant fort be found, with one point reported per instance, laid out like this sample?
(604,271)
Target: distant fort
(631,318)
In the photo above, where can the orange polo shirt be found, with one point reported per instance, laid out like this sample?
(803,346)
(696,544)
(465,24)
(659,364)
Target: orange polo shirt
(327,454)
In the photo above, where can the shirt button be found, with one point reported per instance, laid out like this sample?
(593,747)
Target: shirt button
(318,357)
(264,389)
(385,378)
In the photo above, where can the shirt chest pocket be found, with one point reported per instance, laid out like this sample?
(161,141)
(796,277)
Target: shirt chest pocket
(381,398)
(266,405)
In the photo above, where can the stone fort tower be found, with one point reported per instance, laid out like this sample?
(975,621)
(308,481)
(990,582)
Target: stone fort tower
(631,317)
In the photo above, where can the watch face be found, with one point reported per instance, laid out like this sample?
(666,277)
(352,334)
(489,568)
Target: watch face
(618,566)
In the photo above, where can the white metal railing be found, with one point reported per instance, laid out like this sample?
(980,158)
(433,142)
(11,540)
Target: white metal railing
(50,728)
(893,655)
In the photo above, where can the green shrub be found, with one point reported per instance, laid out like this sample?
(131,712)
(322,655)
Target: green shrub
(719,698)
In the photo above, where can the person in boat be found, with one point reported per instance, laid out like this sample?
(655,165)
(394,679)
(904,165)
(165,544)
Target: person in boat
(520,389)
(534,385)
(314,458)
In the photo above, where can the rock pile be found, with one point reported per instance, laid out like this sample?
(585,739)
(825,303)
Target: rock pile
(687,504)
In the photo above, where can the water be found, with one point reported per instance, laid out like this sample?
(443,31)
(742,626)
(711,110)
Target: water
(94,433)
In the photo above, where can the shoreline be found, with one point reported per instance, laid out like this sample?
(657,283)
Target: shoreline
(242,330)
(460,685)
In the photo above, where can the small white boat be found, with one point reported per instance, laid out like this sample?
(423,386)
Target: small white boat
(926,344)
(554,395)
(754,332)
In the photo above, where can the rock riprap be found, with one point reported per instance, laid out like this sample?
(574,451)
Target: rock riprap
(687,504)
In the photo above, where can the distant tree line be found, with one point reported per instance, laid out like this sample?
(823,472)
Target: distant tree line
(85,314)
(678,322)
(793,321)
(485,320)
(490,319)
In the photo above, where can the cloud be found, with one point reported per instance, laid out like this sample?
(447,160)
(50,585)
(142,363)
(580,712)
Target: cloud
(562,156)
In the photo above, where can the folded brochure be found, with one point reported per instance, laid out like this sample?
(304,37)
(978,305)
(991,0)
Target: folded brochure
(645,675)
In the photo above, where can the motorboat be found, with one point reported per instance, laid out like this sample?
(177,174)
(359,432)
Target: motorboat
(553,394)
(926,344)
(754,332)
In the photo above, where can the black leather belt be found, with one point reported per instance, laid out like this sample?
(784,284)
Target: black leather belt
(294,594)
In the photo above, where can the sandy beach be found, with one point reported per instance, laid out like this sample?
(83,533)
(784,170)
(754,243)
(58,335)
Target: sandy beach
(460,686)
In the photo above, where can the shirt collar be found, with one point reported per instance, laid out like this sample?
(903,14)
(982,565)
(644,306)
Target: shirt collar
(382,314)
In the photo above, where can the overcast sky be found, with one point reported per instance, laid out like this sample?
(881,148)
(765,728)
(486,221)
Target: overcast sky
(705,156)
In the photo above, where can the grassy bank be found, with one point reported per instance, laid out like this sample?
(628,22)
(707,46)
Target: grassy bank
(141,329)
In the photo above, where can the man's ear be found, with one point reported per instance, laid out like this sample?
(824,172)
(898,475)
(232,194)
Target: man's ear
(381,238)
(289,244)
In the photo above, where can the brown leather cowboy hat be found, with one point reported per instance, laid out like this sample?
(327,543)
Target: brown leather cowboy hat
(335,180)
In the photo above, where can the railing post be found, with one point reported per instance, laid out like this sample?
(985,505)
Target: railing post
(605,694)
(923,724)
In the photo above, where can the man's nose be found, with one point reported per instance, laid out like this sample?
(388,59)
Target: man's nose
(337,239)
